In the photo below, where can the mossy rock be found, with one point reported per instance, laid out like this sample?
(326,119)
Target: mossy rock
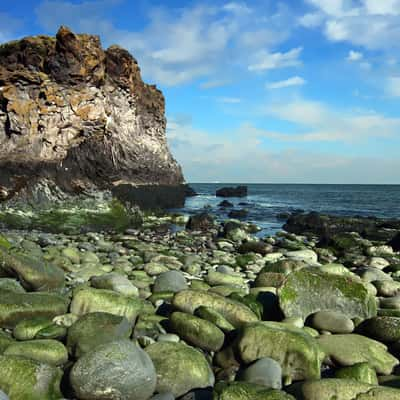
(94,329)
(25,379)
(5,341)
(180,368)
(383,329)
(351,349)
(343,389)
(91,300)
(215,278)
(197,331)
(11,285)
(27,329)
(209,314)
(234,312)
(15,307)
(46,351)
(361,372)
(4,243)
(34,274)
(247,391)
(309,290)
(297,352)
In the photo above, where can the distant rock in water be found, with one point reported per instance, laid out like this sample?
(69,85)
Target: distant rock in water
(238,191)
(75,118)
(190,192)
(225,204)
(328,225)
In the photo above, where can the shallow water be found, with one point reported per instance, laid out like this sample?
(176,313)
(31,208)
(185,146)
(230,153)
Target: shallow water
(265,201)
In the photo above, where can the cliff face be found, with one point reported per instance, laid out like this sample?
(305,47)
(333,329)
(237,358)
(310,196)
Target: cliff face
(79,117)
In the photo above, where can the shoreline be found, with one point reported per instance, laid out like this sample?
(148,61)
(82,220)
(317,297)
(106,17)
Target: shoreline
(210,309)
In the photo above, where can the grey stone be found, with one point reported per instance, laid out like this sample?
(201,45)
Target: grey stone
(171,281)
(332,321)
(265,371)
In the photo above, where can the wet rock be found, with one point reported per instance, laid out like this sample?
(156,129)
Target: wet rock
(361,372)
(225,204)
(115,282)
(383,329)
(180,368)
(116,370)
(238,191)
(247,391)
(243,213)
(199,222)
(332,321)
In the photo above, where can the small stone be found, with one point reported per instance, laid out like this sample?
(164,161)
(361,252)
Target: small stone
(170,281)
(332,321)
(265,371)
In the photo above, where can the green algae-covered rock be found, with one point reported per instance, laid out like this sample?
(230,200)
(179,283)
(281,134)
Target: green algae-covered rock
(46,350)
(179,368)
(15,307)
(384,329)
(5,341)
(234,312)
(94,329)
(197,331)
(297,352)
(34,274)
(215,278)
(4,243)
(28,328)
(344,389)
(309,290)
(91,300)
(361,372)
(25,379)
(247,391)
(11,285)
(209,314)
(116,282)
(347,350)
(115,370)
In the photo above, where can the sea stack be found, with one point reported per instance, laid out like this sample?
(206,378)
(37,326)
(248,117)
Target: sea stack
(75,118)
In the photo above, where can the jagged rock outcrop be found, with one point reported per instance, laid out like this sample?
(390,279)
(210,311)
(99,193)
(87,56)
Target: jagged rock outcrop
(75,117)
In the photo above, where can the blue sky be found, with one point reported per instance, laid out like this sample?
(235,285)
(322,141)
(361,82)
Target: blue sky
(303,91)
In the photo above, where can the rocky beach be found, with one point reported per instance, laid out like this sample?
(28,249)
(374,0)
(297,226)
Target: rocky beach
(104,295)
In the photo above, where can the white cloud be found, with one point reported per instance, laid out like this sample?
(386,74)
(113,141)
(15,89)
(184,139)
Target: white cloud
(311,20)
(266,60)
(373,24)
(248,157)
(214,83)
(319,122)
(293,81)
(393,86)
(179,45)
(354,56)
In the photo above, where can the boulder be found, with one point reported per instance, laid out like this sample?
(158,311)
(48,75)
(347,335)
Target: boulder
(247,391)
(309,290)
(94,329)
(25,379)
(91,300)
(197,331)
(15,307)
(361,372)
(234,312)
(170,281)
(115,370)
(297,352)
(265,372)
(200,222)
(180,368)
(116,282)
(351,349)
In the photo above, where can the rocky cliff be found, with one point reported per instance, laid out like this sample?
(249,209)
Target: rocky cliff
(76,118)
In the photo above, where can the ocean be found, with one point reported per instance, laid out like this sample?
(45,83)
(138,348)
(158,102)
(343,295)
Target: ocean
(265,201)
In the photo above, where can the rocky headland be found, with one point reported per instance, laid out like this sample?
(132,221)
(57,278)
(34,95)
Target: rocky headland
(77,119)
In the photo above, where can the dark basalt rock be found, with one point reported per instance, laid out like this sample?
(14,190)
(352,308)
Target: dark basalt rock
(395,242)
(326,226)
(81,118)
(199,222)
(190,192)
(238,213)
(225,204)
(238,191)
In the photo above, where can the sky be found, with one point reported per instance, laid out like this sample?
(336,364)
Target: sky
(291,91)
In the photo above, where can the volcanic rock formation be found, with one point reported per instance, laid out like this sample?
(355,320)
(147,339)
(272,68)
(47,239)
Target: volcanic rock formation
(76,118)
